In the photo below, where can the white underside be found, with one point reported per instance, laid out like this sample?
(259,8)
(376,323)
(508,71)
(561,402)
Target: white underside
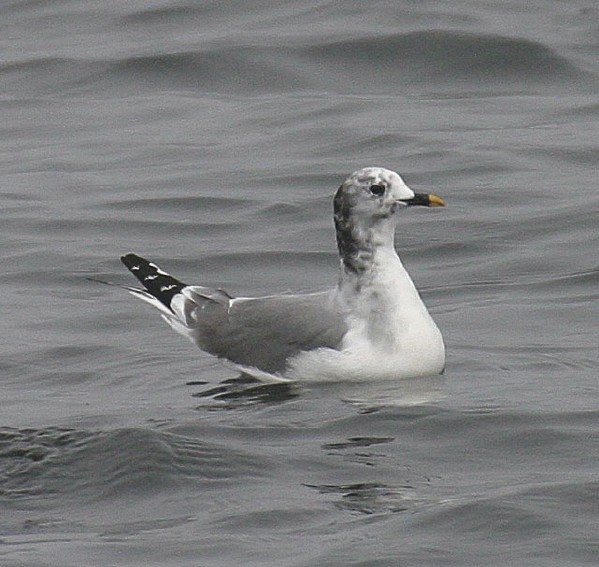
(391,334)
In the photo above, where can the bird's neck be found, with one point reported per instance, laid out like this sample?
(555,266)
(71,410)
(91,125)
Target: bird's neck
(358,245)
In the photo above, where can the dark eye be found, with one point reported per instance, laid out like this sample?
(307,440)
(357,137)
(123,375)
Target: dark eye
(377,190)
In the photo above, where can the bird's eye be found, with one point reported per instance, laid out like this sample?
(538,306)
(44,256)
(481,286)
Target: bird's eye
(377,190)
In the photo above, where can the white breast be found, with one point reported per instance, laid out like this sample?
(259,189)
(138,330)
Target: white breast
(391,334)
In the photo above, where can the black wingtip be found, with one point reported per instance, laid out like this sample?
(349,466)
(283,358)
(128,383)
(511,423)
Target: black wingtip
(131,259)
(158,283)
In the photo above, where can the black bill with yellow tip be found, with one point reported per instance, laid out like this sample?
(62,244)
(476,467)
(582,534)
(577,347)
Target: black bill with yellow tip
(424,200)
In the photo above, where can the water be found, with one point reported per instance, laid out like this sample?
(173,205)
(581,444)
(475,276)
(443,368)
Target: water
(210,137)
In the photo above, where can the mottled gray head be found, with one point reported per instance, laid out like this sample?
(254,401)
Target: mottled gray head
(365,207)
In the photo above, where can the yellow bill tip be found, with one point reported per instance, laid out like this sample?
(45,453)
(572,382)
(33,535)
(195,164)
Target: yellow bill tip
(435,201)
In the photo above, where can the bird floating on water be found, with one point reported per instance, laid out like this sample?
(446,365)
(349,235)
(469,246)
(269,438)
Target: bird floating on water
(372,325)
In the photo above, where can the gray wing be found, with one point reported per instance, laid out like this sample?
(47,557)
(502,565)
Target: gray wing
(264,332)
(261,332)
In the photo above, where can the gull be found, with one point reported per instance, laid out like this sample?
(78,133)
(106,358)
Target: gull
(372,325)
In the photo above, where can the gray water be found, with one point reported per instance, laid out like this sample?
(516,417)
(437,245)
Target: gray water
(210,136)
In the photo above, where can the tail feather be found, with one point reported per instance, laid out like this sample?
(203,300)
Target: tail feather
(159,284)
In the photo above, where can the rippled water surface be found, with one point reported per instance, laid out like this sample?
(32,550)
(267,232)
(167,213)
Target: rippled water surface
(210,137)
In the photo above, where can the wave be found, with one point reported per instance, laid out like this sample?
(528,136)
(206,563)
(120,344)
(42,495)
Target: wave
(42,466)
(432,60)
(451,58)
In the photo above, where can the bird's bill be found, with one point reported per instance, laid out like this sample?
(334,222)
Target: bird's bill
(424,200)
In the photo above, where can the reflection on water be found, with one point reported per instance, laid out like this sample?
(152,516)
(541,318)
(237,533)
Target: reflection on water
(368,498)
(408,392)
(368,396)
(245,390)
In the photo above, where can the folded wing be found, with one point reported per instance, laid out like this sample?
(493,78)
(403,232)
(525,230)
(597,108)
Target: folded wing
(259,332)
